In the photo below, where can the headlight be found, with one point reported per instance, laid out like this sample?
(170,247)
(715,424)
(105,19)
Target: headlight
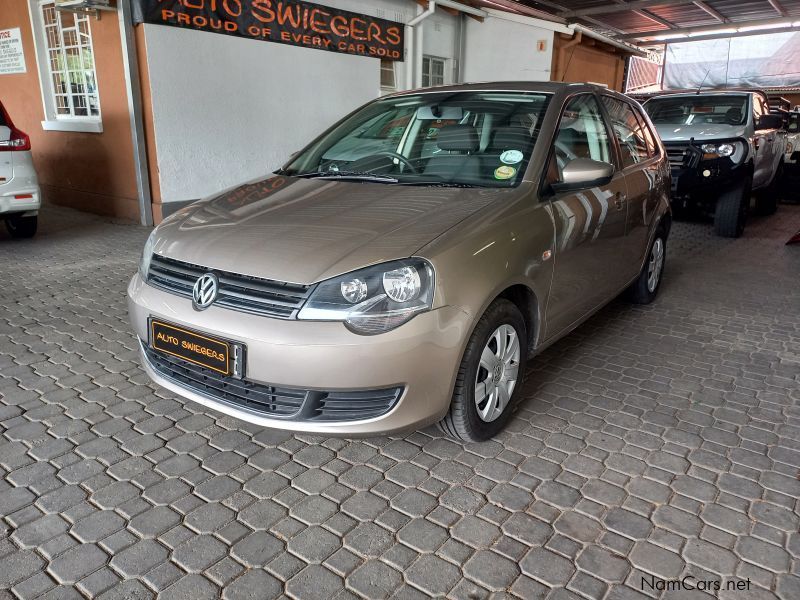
(375,299)
(789,147)
(147,255)
(719,149)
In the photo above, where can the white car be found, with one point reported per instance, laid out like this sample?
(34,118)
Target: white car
(20,196)
(793,139)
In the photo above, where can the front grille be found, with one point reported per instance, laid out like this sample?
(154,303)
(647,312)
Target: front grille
(238,292)
(272,401)
(352,406)
(676,154)
(268,400)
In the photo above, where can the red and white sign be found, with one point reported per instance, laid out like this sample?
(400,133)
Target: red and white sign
(12,57)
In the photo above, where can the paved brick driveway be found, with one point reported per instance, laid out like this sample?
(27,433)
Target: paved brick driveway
(658,441)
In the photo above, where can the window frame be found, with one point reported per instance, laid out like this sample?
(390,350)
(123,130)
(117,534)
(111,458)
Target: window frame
(431,60)
(386,66)
(651,137)
(642,127)
(545,190)
(53,121)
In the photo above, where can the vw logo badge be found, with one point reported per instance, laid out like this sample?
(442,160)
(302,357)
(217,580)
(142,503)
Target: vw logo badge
(205,291)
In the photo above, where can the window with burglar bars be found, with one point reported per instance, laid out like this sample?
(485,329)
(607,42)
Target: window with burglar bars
(70,63)
(388,80)
(432,71)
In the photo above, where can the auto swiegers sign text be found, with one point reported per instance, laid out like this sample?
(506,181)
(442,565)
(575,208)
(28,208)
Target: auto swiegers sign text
(286,22)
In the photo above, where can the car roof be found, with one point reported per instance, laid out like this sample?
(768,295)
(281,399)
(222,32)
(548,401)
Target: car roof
(545,87)
(686,93)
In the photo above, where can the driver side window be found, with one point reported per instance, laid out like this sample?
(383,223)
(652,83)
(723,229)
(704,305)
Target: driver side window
(582,133)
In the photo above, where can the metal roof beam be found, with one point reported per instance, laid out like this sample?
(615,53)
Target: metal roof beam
(648,15)
(710,11)
(606,9)
(655,18)
(778,7)
(644,35)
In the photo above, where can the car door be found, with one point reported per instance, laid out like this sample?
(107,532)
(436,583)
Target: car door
(589,223)
(640,167)
(764,140)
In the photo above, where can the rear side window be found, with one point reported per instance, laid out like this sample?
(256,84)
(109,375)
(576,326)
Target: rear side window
(628,130)
(2,115)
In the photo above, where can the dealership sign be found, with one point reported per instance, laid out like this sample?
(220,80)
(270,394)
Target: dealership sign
(287,22)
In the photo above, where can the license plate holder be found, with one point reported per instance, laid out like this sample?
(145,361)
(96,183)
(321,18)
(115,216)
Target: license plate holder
(220,355)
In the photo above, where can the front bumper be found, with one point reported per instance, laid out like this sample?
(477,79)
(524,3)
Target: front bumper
(421,357)
(709,178)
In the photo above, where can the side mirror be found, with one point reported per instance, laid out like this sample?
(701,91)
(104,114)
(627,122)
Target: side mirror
(583,173)
(769,122)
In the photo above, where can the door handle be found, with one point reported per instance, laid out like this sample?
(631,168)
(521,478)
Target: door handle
(619,201)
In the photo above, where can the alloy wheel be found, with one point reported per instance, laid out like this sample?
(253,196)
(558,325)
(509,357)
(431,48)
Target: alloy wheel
(497,374)
(655,265)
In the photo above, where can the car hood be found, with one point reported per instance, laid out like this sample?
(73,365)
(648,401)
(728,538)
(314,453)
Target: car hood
(701,131)
(303,231)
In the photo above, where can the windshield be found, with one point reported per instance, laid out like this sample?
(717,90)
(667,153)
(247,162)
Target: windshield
(480,139)
(696,110)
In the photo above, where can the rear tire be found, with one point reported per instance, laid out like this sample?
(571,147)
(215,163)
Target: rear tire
(645,289)
(478,421)
(731,212)
(22,227)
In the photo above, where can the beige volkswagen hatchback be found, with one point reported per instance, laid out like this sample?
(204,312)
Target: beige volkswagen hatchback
(400,269)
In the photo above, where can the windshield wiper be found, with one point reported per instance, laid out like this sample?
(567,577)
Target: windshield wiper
(448,184)
(354,175)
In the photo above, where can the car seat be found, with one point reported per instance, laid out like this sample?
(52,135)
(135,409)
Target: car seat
(458,161)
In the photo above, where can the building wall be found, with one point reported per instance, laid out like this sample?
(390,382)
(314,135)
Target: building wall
(226,109)
(590,60)
(89,171)
(504,49)
(231,109)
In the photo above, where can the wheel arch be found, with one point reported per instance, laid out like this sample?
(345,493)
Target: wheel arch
(525,299)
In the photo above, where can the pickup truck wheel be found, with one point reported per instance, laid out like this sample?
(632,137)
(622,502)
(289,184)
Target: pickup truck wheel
(22,227)
(489,380)
(645,289)
(731,212)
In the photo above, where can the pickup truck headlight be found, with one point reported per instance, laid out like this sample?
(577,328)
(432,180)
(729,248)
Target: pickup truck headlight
(719,149)
(375,299)
(147,255)
(734,149)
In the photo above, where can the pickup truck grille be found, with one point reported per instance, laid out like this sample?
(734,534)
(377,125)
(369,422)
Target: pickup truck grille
(676,154)
(237,292)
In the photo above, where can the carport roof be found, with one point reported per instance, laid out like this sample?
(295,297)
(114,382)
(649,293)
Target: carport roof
(644,21)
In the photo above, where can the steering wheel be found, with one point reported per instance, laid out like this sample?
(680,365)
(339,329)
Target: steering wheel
(388,153)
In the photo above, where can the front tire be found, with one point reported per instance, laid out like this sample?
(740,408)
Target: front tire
(731,211)
(645,289)
(490,378)
(22,227)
